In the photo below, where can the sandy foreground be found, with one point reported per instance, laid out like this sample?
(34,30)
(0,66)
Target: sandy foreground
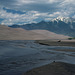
(55,68)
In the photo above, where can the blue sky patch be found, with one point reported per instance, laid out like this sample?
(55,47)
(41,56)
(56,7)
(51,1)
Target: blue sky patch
(13,11)
(1,19)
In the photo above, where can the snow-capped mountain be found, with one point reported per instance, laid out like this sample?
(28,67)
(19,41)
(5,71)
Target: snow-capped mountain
(67,20)
(64,19)
(58,25)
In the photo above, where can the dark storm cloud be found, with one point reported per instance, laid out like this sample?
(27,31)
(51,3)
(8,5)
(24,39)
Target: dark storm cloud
(41,7)
(7,3)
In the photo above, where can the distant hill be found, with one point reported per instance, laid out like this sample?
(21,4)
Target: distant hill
(59,25)
(7,33)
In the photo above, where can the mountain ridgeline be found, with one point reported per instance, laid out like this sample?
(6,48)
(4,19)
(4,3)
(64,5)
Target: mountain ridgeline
(59,25)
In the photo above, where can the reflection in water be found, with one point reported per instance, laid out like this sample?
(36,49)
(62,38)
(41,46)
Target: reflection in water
(17,57)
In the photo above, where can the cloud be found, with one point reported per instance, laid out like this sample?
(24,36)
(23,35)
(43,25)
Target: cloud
(73,16)
(13,11)
(39,5)
(68,6)
(20,2)
(29,5)
(28,17)
(28,11)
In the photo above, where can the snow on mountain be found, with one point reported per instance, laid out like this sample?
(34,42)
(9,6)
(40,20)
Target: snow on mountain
(64,19)
(59,25)
(67,20)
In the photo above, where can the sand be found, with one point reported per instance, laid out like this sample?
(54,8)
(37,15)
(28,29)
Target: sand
(57,42)
(50,35)
(7,33)
(55,68)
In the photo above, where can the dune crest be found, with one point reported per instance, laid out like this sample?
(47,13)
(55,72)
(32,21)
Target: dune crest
(50,35)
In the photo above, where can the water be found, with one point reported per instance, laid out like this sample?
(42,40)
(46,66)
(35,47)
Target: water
(17,57)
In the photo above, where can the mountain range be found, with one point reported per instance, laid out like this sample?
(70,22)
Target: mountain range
(59,25)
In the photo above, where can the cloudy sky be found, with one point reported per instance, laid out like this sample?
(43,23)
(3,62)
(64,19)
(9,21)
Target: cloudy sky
(32,11)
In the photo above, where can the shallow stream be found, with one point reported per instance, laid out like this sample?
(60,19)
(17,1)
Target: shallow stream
(17,57)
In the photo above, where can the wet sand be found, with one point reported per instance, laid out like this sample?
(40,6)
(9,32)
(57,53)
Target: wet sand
(55,68)
(29,55)
(57,42)
(66,50)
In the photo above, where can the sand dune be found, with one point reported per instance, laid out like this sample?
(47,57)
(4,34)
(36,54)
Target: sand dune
(7,33)
(55,68)
(50,35)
